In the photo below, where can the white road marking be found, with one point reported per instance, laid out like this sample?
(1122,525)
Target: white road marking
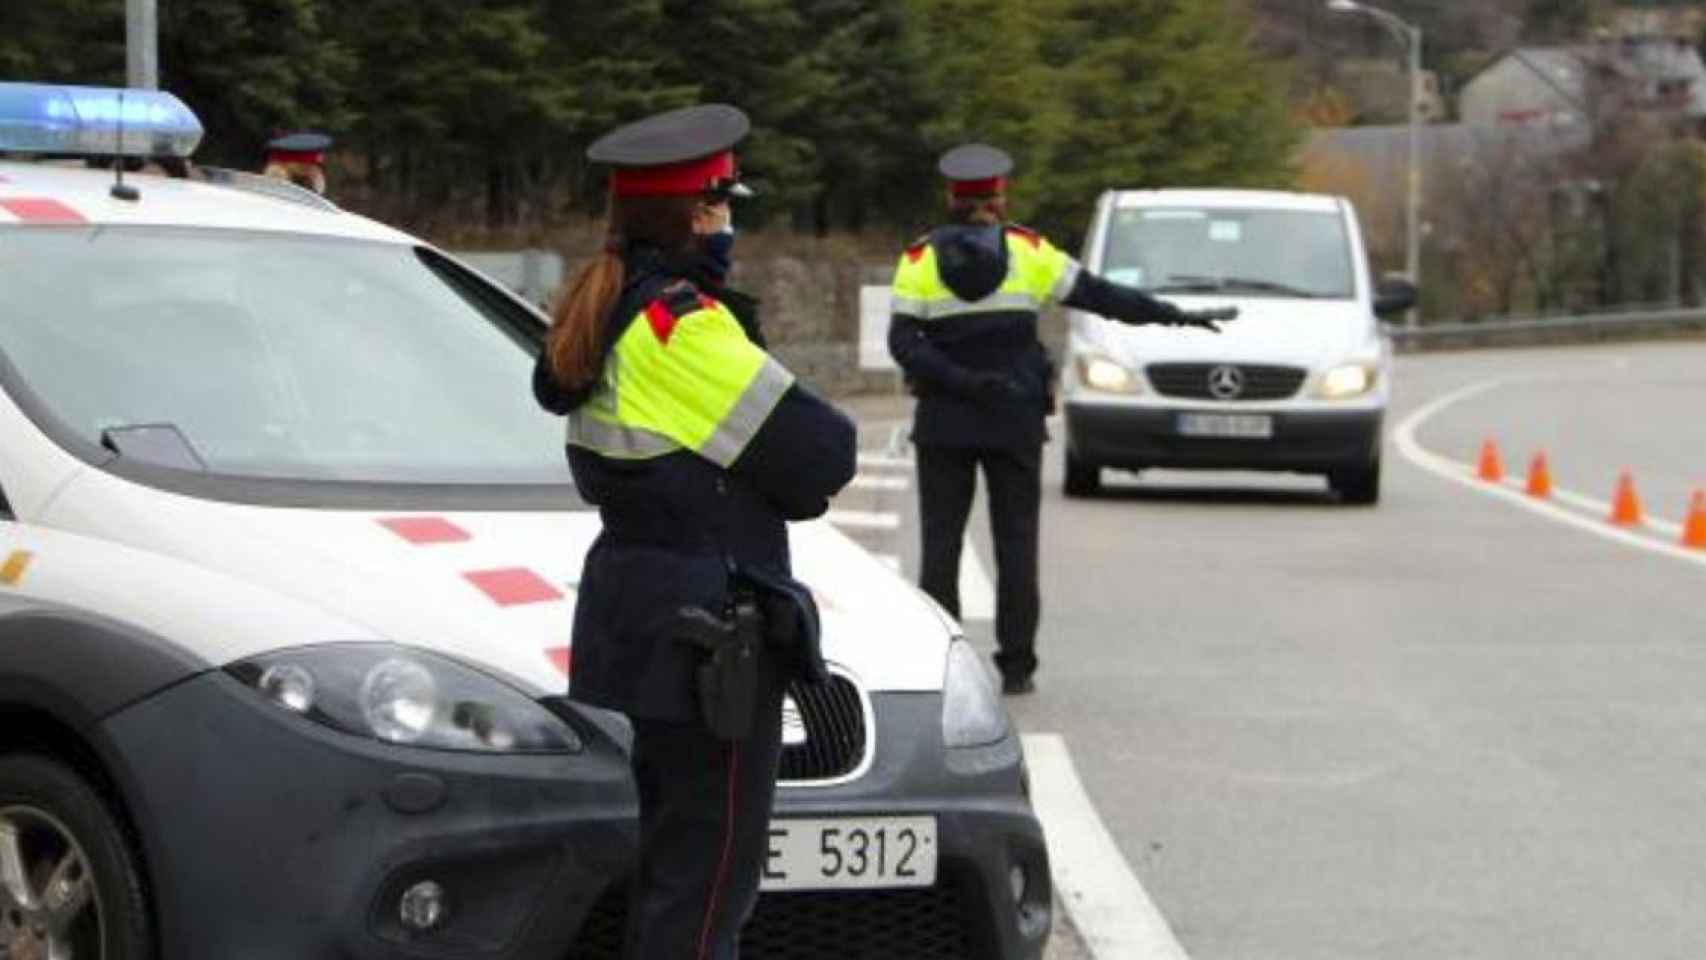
(888,560)
(870,481)
(1463,473)
(864,519)
(1108,905)
(977,593)
(883,461)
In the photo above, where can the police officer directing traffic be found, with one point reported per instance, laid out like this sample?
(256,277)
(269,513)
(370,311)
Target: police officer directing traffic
(696,446)
(964,331)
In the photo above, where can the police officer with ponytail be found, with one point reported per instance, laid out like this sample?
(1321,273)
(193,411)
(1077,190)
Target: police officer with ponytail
(964,331)
(697,447)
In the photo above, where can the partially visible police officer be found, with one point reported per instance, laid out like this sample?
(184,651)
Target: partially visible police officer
(964,331)
(299,158)
(696,446)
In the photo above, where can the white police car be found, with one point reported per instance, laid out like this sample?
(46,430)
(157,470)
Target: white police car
(287,560)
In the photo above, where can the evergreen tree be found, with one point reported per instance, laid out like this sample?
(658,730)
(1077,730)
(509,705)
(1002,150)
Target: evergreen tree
(863,112)
(250,68)
(989,81)
(1161,93)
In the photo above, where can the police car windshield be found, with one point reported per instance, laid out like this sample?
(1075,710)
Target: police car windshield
(1246,253)
(277,356)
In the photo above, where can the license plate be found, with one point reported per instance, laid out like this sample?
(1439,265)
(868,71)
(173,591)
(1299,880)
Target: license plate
(851,853)
(1235,426)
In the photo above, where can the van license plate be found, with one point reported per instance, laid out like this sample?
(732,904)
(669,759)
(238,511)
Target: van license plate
(851,853)
(1235,426)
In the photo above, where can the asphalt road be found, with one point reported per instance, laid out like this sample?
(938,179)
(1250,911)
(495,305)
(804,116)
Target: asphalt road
(1444,727)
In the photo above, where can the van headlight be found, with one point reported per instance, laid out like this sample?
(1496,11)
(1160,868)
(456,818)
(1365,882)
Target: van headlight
(405,696)
(1349,380)
(972,714)
(1100,373)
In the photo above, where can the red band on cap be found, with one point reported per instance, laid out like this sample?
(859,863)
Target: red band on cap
(673,180)
(40,210)
(979,188)
(312,157)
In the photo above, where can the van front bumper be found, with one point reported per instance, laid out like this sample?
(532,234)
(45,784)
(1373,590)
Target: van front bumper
(269,837)
(1304,440)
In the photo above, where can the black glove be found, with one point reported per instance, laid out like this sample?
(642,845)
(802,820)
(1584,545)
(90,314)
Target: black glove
(1209,320)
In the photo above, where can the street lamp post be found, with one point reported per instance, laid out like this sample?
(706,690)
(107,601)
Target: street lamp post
(142,44)
(1411,36)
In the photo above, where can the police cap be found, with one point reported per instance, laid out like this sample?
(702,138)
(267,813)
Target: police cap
(304,146)
(976,169)
(684,152)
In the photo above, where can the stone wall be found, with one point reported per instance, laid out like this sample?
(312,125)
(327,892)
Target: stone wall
(811,317)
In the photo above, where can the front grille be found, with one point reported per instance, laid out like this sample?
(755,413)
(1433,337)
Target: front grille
(924,924)
(1193,381)
(832,718)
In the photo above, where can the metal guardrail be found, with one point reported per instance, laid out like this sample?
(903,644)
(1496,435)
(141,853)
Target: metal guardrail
(1659,324)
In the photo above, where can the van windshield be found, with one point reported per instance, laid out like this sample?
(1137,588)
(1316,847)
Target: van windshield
(275,356)
(1256,253)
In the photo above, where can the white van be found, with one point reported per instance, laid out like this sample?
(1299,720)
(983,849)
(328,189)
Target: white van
(1298,383)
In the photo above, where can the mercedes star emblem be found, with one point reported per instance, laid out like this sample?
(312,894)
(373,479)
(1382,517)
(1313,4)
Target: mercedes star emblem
(1226,383)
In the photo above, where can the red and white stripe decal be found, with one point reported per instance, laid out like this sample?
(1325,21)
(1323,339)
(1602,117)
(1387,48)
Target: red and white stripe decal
(422,531)
(561,658)
(505,586)
(40,210)
(512,586)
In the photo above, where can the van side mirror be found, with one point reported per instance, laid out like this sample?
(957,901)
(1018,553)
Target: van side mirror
(1394,296)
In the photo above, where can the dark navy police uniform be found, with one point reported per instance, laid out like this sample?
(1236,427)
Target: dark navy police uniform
(697,447)
(964,331)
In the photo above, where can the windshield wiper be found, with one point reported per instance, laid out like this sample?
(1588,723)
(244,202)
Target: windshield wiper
(1190,283)
(1193,283)
(162,444)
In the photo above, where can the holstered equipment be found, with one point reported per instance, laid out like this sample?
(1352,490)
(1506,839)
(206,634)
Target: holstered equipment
(727,679)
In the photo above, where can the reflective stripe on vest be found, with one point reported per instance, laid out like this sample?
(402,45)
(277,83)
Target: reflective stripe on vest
(702,386)
(1037,274)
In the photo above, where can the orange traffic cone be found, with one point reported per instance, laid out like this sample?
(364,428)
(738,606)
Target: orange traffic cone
(1694,529)
(1540,477)
(1491,468)
(1626,505)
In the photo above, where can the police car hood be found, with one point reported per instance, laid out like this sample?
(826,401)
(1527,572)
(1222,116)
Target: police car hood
(1305,333)
(490,587)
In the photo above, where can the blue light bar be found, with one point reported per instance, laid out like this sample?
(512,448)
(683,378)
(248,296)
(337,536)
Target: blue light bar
(84,121)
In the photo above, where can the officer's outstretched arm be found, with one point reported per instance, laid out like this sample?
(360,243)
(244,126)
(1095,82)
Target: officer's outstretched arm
(1118,302)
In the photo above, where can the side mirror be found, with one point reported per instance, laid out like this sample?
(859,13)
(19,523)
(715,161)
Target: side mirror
(1394,296)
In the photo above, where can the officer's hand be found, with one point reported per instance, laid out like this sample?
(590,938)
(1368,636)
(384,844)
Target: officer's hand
(1209,320)
(998,387)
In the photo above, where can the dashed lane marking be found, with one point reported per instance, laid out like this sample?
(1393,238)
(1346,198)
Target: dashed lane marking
(864,519)
(977,593)
(883,461)
(1464,474)
(1108,905)
(869,481)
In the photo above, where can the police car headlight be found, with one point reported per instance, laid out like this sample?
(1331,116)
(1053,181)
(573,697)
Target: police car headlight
(1101,373)
(1350,380)
(405,696)
(972,714)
